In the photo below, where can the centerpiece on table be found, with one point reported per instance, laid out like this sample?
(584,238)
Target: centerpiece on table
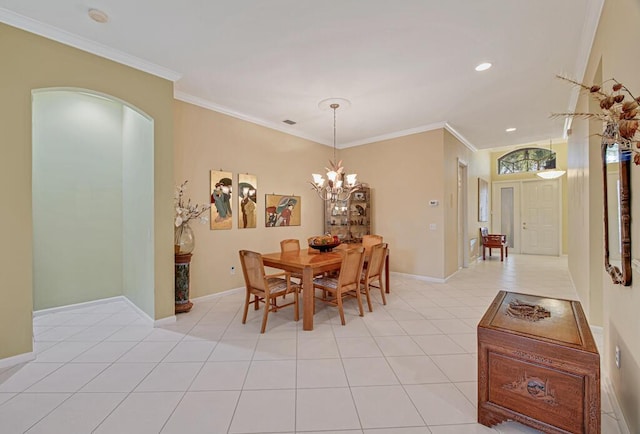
(184,242)
(324,243)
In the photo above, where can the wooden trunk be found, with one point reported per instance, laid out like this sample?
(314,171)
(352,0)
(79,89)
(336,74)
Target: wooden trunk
(538,364)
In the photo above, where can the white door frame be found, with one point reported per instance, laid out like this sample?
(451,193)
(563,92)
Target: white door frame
(463,215)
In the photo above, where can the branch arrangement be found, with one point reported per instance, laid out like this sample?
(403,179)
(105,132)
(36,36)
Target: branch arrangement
(619,111)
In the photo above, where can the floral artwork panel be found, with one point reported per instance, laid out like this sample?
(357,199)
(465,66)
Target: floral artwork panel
(282,210)
(221,200)
(247,201)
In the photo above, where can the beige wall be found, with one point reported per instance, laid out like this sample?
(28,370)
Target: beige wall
(206,140)
(560,149)
(614,46)
(404,174)
(31,62)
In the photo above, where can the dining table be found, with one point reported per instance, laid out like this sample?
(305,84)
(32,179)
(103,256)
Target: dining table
(310,263)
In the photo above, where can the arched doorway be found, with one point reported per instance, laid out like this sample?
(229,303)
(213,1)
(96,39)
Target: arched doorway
(92,196)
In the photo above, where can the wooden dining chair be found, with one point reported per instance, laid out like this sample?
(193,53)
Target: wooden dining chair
(290,245)
(265,288)
(369,241)
(348,281)
(374,272)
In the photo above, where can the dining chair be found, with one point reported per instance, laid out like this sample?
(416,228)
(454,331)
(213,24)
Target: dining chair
(347,282)
(265,288)
(369,241)
(290,245)
(374,272)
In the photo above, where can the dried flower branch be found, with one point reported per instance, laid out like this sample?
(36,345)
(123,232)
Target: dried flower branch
(184,213)
(620,109)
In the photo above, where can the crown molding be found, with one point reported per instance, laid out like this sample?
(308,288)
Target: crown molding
(460,137)
(201,102)
(84,44)
(394,135)
(589,30)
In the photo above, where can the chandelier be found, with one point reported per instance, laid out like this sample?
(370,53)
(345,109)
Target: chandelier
(337,186)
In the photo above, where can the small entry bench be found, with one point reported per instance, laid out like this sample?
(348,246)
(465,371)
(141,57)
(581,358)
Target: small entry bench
(493,241)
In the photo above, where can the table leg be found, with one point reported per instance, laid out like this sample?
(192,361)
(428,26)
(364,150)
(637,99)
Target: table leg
(307,298)
(386,273)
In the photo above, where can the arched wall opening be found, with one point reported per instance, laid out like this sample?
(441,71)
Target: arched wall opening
(92,187)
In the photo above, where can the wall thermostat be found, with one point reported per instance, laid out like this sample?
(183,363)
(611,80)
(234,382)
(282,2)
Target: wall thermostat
(434,202)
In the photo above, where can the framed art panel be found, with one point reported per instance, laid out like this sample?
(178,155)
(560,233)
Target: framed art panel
(221,200)
(247,203)
(282,210)
(483,200)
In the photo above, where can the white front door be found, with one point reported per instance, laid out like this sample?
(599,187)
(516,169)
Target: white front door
(540,234)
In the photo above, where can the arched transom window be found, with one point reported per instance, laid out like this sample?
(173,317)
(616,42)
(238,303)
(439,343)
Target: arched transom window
(527,160)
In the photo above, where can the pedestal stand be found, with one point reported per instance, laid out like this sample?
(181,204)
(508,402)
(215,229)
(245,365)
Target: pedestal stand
(182,283)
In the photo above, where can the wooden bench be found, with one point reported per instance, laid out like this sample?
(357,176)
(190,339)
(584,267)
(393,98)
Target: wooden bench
(493,241)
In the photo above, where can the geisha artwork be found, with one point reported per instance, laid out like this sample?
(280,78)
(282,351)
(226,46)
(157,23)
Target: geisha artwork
(221,200)
(282,210)
(247,203)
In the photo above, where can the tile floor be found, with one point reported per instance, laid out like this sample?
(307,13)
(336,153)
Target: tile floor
(408,367)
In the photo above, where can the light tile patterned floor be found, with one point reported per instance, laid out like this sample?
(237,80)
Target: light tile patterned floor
(406,368)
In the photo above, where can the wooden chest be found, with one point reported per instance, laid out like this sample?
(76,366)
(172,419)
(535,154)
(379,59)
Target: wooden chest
(538,364)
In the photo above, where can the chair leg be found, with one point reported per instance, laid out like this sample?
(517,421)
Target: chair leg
(246,307)
(384,299)
(484,253)
(506,251)
(296,298)
(366,292)
(501,254)
(359,298)
(256,302)
(266,314)
(340,309)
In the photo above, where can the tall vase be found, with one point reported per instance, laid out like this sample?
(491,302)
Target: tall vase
(184,241)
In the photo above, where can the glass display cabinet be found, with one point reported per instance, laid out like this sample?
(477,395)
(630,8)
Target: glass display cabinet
(349,219)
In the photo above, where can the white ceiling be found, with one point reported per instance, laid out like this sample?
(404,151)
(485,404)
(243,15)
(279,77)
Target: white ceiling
(405,65)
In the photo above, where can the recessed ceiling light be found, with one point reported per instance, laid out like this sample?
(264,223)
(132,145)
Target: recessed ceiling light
(483,66)
(98,16)
(289,121)
(510,130)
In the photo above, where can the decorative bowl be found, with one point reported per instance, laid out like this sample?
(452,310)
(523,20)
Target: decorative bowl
(324,247)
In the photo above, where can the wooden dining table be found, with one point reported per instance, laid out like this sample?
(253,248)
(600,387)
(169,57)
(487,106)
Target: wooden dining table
(309,263)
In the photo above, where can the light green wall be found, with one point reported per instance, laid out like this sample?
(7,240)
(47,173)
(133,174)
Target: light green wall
(137,210)
(32,62)
(77,198)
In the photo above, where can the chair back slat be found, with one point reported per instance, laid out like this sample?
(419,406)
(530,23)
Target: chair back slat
(369,241)
(376,260)
(351,267)
(253,269)
(290,245)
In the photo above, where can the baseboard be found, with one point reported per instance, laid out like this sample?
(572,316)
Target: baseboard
(78,305)
(16,360)
(419,277)
(219,294)
(622,423)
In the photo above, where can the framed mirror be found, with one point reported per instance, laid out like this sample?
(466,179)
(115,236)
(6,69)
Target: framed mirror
(617,219)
